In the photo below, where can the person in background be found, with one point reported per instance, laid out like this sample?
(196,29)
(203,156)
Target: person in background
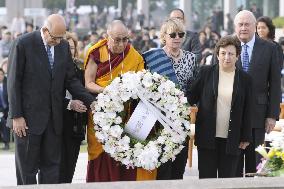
(259,59)
(179,66)
(4,130)
(74,120)
(6,43)
(265,29)
(223,126)
(191,42)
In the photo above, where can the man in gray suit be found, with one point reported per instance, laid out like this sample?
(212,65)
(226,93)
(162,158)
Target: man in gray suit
(258,58)
(40,69)
(191,42)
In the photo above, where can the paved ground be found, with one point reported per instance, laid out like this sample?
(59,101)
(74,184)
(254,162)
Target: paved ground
(8,175)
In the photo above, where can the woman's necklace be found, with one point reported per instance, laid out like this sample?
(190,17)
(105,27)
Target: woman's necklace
(175,56)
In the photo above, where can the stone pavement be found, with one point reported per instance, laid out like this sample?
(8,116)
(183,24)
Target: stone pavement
(8,173)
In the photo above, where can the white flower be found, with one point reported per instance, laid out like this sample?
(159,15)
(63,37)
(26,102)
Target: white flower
(118,120)
(116,131)
(147,80)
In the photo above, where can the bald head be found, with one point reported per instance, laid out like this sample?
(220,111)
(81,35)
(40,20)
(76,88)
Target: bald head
(245,24)
(117,26)
(54,29)
(55,22)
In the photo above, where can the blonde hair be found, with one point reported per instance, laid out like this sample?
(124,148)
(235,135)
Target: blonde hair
(170,25)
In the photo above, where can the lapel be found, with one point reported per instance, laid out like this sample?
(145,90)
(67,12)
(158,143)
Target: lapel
(41,52)
(235,86)
(215,81)
(256,52)
(56,60)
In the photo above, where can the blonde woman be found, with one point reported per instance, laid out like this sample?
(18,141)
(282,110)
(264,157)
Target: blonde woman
(180,67)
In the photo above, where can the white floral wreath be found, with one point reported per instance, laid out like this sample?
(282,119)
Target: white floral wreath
(159,92)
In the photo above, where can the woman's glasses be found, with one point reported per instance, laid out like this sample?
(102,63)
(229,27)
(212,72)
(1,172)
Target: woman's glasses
(179,34)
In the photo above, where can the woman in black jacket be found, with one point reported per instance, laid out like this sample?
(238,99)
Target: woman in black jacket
(223,127)
(74,120)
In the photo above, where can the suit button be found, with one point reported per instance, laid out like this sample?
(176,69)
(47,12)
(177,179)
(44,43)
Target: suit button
(229,130)
(230,120)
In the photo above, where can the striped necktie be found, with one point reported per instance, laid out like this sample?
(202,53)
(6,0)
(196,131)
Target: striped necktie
(50,59)
(245,58)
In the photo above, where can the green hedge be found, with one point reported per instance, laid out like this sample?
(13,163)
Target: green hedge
(278,22)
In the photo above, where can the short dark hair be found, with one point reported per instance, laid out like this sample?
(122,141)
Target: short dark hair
(269,24)
(226,41)
(178,9)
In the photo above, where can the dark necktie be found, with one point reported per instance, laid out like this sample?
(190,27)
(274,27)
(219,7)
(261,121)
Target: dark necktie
(245,58)
(50,59)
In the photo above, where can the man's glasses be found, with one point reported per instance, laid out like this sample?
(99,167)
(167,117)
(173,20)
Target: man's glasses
(118,40)
(54,37)
(179,34)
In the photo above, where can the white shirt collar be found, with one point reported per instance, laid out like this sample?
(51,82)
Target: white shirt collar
(250,43)
(45,44)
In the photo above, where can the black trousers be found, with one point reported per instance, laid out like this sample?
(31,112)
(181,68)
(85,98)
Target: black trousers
(216,163)
(249,155)
(174,170)
(73,134)
(38,154)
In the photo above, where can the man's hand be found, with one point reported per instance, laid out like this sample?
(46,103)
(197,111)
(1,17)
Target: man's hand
(269,124)
(19,126)
(78,106)
(243,145)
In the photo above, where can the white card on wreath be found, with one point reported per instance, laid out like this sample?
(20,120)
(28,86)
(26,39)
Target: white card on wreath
(141,122)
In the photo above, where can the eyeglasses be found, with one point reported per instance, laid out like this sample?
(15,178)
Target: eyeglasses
(179,34)
(117,40)
(223,54)
(54,37)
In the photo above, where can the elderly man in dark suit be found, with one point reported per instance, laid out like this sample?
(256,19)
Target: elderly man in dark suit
(258,58)
(191,42)
(40,69)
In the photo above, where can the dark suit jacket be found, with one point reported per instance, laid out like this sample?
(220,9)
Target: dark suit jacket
(5,98)
(204,91)
(36,92)
(266,82)
(192,44)
(74,123)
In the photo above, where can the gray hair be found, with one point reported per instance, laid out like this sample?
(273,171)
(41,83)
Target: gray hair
(249,14)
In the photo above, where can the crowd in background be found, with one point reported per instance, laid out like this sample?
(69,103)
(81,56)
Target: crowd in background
(142,38)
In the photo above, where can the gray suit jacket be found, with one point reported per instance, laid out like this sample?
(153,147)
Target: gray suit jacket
(192,44)
(35,91)
(264,70)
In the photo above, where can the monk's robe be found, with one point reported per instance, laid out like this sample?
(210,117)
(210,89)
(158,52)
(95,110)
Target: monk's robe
(102,167)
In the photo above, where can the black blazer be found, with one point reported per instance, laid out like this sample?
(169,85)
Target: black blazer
(36,92)
(265,71)
(74,123)
(5,98)
(204,92)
